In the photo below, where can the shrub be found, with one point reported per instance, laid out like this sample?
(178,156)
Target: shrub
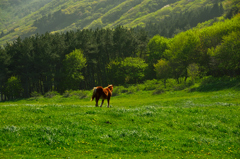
(51,94)
(119,90)
(158,90)
(132,89)
(171,83)
(80,94)
(152,84)
(67,93)
(35,95)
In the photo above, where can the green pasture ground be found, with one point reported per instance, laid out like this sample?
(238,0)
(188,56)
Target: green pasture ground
(173,124)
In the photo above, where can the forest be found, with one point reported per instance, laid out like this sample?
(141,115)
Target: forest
(86,58)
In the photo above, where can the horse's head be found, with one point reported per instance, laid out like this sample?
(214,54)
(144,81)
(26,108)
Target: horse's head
(110,86)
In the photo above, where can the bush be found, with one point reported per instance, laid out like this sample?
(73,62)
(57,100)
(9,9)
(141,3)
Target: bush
(152,84)
(67,93)
(35,95)
(171,83)
(51,94)
(132,89)
(119,90)
(80,94)
(210,79)
(158,90)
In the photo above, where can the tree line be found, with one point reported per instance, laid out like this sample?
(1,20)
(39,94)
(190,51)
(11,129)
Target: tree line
(211,51)
(86,58)
(47,62)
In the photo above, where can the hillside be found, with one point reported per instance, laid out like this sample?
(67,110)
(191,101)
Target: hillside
(28,17)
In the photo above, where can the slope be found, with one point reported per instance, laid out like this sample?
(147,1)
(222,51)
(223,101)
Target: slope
(28,17)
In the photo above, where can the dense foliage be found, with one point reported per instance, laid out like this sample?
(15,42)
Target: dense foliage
(60,62)
(209,48)
(129,70)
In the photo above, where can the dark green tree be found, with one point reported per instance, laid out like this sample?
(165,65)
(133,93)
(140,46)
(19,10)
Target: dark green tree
(163,70)
(183,50)
(73,63)
(156,47)
(4,66)
(228,54)
(13,88)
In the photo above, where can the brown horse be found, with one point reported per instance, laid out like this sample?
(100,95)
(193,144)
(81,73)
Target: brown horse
(102,93)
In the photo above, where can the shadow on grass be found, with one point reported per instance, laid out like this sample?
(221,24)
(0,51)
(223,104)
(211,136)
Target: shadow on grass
(217,84)
(12,100)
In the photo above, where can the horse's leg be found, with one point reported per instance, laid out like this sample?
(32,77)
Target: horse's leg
(102,103)
(108,101)
(97,101)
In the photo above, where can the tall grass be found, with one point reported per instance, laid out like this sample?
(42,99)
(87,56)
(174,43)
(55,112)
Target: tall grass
(201,123)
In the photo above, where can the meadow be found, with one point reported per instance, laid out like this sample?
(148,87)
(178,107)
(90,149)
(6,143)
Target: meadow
(197,121)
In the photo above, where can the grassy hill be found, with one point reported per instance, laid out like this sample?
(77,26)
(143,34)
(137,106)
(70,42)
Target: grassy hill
(27,17)
(201,121)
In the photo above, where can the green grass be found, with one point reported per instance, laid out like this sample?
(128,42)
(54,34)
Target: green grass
(174,124)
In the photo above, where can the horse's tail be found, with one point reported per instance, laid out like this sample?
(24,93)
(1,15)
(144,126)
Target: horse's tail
(94,93)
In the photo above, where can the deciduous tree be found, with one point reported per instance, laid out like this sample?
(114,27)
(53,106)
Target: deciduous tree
(73,63)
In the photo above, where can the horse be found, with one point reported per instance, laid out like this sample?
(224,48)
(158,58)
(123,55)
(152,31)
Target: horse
(102,93)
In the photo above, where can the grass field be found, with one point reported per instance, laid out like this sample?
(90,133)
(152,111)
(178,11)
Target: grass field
(201,123)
